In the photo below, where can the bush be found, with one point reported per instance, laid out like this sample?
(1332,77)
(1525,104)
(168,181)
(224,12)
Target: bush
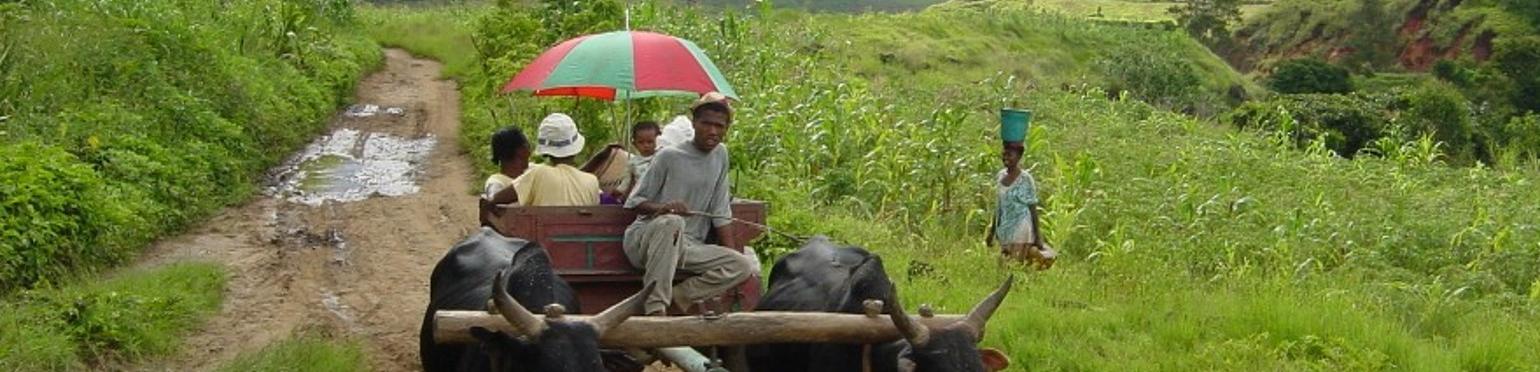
(1522,134)
(1516,58)
(53,215)
(1151,74)
(1347,123)
(1309,76)
(1442,111)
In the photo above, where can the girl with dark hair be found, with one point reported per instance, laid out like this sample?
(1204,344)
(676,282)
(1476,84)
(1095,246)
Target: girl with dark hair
(510,151)
(1016,219)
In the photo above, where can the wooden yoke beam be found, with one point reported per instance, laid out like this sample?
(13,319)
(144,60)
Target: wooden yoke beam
(729,329)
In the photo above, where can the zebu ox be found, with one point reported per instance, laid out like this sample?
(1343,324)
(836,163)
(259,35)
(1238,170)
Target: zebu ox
(821,276)
(488,265)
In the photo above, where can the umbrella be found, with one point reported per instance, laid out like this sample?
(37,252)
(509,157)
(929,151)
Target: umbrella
(621,64)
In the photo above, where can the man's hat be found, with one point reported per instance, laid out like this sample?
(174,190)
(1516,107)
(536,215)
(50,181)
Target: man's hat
(558,137)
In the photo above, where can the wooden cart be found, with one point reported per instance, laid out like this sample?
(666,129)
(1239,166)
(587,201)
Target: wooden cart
(585,248)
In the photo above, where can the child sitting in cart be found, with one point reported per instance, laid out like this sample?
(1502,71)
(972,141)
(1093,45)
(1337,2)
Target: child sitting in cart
(510,151)
(644,138)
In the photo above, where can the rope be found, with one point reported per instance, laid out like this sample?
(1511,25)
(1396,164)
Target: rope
(753,224)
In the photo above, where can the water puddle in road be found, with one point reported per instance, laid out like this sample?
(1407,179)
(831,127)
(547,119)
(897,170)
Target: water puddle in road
(349,165)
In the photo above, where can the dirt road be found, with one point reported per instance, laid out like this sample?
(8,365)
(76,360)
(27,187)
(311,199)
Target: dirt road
(357,269)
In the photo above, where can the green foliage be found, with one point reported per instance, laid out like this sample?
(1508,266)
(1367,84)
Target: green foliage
(1372,45)
(1208,21)
(1441,111)
(307,351)
(125,120)
(1308,75)
(1151,74)
(1523,136)
(1345,123)
(126,317)
(1516,58)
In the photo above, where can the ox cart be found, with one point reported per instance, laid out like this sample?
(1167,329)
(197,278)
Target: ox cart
(584,249)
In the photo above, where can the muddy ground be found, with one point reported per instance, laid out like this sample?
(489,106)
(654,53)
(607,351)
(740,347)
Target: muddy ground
(355,269)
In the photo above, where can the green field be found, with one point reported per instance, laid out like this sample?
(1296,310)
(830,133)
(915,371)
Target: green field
(1129,10)
(1186,245)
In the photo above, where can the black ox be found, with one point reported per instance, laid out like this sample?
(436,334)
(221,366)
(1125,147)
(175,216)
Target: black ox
(821,276)
(488,265)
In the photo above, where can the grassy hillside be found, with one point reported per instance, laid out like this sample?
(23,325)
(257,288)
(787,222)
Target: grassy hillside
(1186,245)
(1425,31)
(950,46)
(831,5)
(126,120)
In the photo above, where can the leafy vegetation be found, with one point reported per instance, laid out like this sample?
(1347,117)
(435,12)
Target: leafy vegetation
(306,351)
(124,318)
(1309,76)
(1208,21)
(125,120)
(1184,245)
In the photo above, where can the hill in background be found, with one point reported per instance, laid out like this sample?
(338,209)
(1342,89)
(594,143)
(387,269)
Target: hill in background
(1409,34)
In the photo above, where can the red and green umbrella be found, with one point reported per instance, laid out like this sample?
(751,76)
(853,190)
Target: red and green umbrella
(622,64)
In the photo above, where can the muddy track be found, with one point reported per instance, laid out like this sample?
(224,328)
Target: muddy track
(357,269)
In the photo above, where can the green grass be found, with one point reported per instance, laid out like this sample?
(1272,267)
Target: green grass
(123,318)
(442,33)
(1185,245)
(303,352)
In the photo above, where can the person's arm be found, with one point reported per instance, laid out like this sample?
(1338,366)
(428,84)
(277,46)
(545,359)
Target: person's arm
(508,195)
(994,223)
(721,206)
(647,189)
(1037,234)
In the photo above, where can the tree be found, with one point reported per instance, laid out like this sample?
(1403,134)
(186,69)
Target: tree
(1516,58)
(1373,36)
(1307,75)
(1208,20)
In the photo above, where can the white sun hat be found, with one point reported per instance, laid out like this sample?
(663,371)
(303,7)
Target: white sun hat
(680,130)
(558,137)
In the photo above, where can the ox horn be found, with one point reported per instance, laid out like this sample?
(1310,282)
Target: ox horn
(522,320)
(613,316)
(915,332)
(981,312)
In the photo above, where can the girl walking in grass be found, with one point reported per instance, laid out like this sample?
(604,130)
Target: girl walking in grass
(1015,224)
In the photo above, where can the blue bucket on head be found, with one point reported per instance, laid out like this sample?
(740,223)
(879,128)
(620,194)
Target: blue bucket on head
(1013,124)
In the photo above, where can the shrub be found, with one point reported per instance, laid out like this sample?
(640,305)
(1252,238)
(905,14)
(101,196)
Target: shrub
(1347,122)
(1151,74)
(1522,134)
(1309,76)
(1442,111)
(53,215)
(1516,58)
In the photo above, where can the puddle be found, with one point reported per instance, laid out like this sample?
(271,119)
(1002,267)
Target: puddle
(349,165)
(334,304)
(367,110)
